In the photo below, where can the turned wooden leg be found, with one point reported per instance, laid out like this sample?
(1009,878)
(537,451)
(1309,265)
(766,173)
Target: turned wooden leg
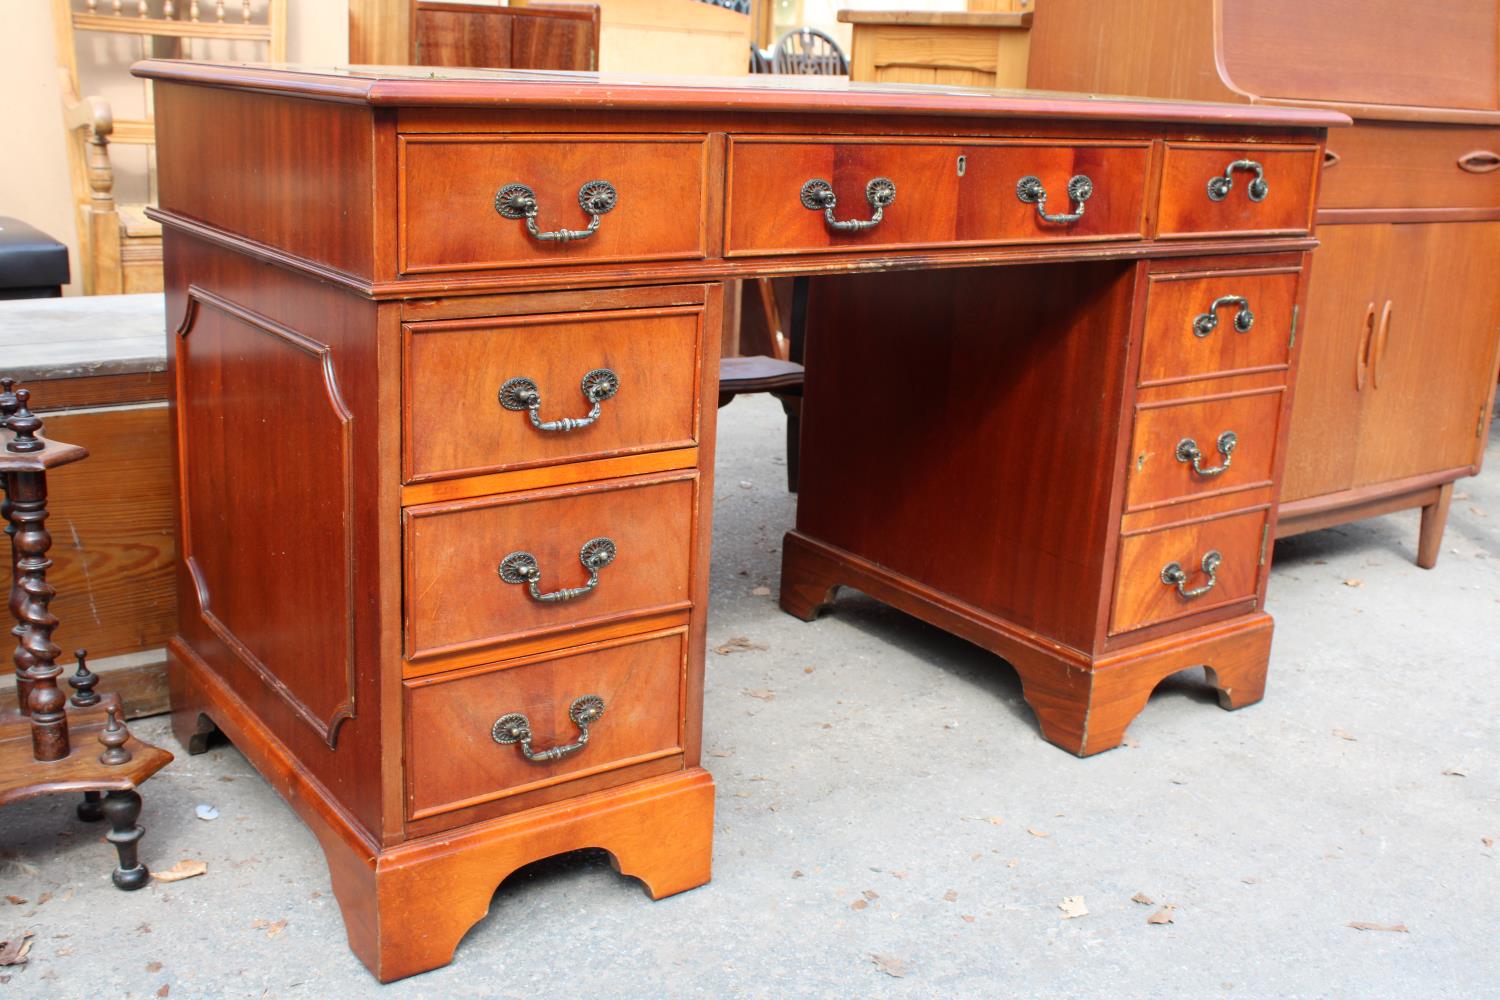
(1434,520)
(122,809)
(91,809)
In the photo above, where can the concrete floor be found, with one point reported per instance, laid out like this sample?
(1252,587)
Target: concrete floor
(885,805)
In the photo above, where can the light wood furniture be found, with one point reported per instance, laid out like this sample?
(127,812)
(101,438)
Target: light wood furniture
(1402,327)
(120,247)
(955,48)
(444,387)
(426,33)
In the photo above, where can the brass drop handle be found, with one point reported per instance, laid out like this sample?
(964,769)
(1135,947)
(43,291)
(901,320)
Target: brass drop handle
(1219,187)
(1029,189)
(516,728)
(817,196)
(523,394)
(1173,575)
(1207,322)
(521,567)
(1480,161)
(517,201)
(1187,451)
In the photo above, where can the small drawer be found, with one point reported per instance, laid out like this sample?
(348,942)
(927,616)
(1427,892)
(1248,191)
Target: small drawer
(456,553)
(1210,189)
(478,389)
(945,194)
(1208,324)
(652,200)
(1172,572)
(1411,166)
(1187,449)
(627,695)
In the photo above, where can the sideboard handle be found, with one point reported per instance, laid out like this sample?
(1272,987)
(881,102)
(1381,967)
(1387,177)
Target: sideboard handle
(1187,451)
(1207,322)
(523,394)
(1173,575)
(1480,161)
(1219,187)
(817,196)
(1029,189)
(517,201)
(521,567)
(516,728)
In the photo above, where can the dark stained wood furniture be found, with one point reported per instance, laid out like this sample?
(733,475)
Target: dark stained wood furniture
(431,33)
(1402,326)
(446,468)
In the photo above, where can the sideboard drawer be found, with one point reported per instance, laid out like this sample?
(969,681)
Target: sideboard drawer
(1185,449)
(451,201)
(457,597)
(1393,165)
(487,395)
(1208,323)
(1211,189)
(455,760)
(1148,591)
(945,193)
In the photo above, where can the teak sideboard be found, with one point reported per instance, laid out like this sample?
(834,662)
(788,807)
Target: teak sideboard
(1403,315)
(444,356)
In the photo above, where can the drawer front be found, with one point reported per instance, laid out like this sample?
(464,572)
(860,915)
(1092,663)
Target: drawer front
(456,598)
(1412,166)
(1194,175)
(641,367)
(1208,446)
(453,759)
(450,184)
(1143,597)
(1186,337)
(938,201)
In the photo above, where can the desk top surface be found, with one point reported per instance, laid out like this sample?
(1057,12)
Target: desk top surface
(422,86)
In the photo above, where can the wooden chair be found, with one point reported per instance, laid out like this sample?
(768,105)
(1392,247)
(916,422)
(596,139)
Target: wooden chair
(780,371)
(809,52)
(120,249)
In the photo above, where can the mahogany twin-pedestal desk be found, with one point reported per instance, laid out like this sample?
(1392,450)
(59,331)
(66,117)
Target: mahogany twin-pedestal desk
(444,357)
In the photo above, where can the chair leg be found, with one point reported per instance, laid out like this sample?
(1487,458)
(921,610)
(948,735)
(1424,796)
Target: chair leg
(91,809)
(122,809)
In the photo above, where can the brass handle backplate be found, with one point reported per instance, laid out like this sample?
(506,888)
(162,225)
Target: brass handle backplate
(517,201)
(1187,451)
(817,196)
(1207,322)
(521,567)
(523,394)
(1173,575)
(516,728)
(1219,187)
(1029,189)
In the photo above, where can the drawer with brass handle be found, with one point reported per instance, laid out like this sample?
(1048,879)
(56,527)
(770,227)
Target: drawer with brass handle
(1210,188)
(790,196)
(538,562)
(489,732)
(1403,165)
(479,202)
(1182,449)
(1172,572)
(1205,324)
(490,394)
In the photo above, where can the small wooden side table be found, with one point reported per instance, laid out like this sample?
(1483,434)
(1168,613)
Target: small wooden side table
(953,48)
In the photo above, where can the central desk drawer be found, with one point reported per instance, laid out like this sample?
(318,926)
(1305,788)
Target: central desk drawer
(451,187)
(945,193)
(1211,323)
(1208,189)
(633,537)
(628,695)
(1185,449)
(1217,562)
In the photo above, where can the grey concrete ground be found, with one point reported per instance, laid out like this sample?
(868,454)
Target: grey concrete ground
(887,807)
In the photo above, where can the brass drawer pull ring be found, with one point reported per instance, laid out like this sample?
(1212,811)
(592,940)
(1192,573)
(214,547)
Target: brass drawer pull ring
(521,567)
(1173,575)
(1029,189)
(1219,187)
(817,196)
(523,394)
(1187,451)
(516,728)
(1207,322)
(517,201)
